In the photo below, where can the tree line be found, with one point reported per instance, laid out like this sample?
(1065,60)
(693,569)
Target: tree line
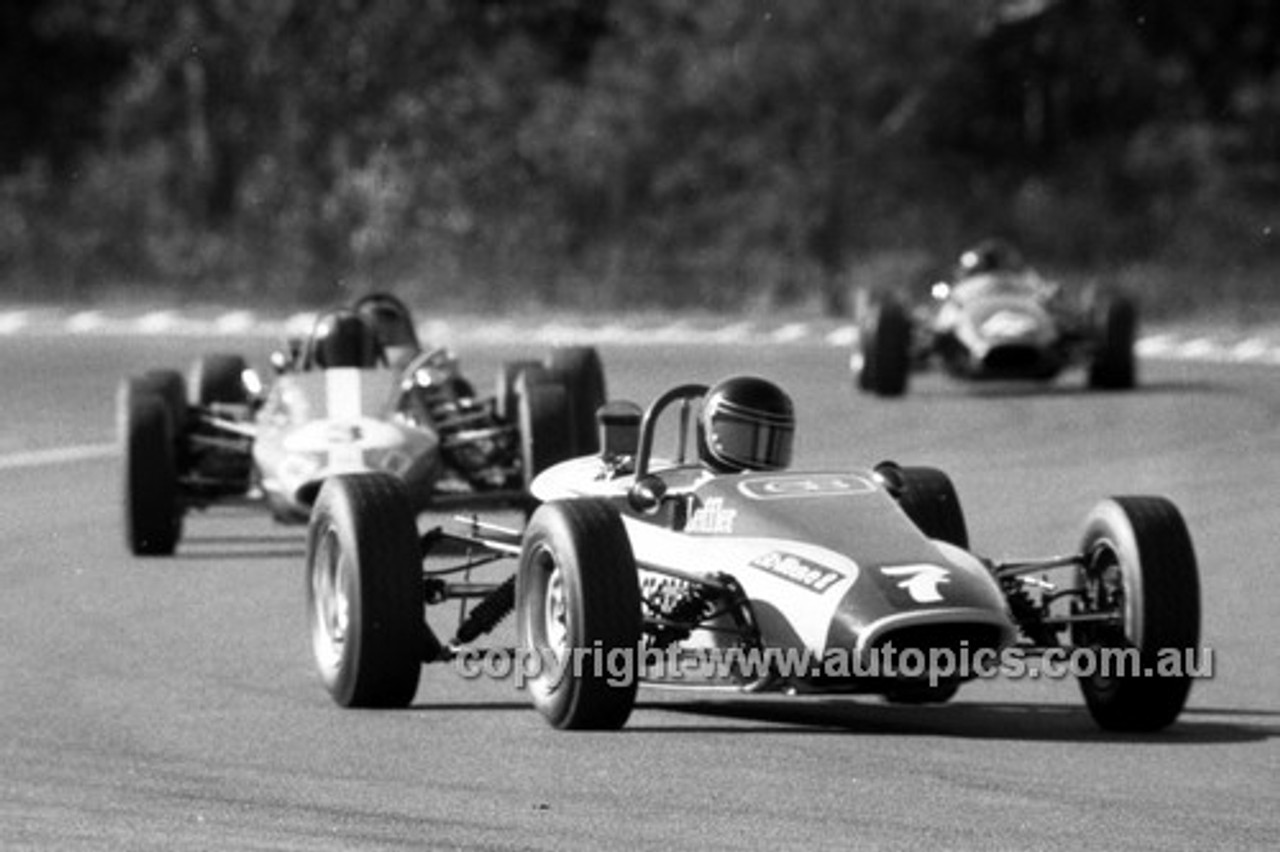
(609,153)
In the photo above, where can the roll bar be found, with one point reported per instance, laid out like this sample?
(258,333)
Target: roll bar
(683,393)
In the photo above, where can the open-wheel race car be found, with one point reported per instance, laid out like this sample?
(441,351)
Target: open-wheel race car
(995,319)
(359,394)
(720,567)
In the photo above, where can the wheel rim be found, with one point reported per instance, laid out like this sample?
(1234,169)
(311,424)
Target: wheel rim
(332,605)
(1104,591)
(554,612)
(548,608)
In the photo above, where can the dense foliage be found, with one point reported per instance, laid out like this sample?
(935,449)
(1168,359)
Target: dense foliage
(731,153)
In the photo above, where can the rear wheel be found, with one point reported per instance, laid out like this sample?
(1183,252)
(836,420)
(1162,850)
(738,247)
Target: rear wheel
(1114,364)
(929,499)
(364,591)
(507,403)
(1141,570)
(576,590)
(544,418)
(218,378)
(152,505)
(580,370)
(884,344)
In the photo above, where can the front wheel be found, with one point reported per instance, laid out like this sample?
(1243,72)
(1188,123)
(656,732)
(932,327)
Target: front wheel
(1141,585)
(883,360)
(577,597)
(1114,365)
(364,591)
(152,501)
(172,388)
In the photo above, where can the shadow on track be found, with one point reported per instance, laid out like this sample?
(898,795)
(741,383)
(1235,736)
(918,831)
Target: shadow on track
(204,548)
(233,538)
(961,390)
(1026,722)
(1032,722)
(470,707)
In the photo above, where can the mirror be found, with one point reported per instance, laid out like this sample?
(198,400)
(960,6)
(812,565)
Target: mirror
(889,475)
(647,493)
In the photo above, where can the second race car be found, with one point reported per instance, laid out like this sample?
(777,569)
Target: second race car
(721,567)
(359,394)
(995,319)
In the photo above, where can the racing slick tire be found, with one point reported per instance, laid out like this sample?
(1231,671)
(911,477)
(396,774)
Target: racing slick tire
(506,402)
(580,370)
(576,589)
(929,499)
(1114,365)
(884,344)
(544,418)
(364,591)
(172,388)
(1141,564)
(152,502)
(218,378)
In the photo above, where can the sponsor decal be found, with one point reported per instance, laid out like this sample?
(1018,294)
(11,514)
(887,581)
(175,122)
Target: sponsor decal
(920,581)
(801,486)
(712,517)
(800,571)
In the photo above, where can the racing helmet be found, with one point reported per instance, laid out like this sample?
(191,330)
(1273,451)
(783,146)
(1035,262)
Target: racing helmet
(343,339)
(390,320)
(991,255)
(746,423)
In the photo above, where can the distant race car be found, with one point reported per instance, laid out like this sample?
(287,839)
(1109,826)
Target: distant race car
(710,569)
(996,319)
(359,394)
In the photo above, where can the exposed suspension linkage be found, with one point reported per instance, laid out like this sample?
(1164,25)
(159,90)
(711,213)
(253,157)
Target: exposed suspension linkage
(1031,599)
(487,614)
(497,600)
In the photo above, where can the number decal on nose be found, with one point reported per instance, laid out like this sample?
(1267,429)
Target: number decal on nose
(804,485)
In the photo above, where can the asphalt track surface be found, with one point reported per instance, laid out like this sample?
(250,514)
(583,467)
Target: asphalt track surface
(171,703)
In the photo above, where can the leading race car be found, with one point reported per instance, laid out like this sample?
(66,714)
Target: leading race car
(996,319)
(722,567)
(359,394)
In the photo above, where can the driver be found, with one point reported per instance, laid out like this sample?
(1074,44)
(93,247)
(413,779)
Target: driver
(746,423)
(987,257)
(343,339)
(393,326)
(995,265)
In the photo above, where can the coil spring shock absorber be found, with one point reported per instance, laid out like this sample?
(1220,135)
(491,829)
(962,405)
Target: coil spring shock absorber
(1027,613)
(488,613)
